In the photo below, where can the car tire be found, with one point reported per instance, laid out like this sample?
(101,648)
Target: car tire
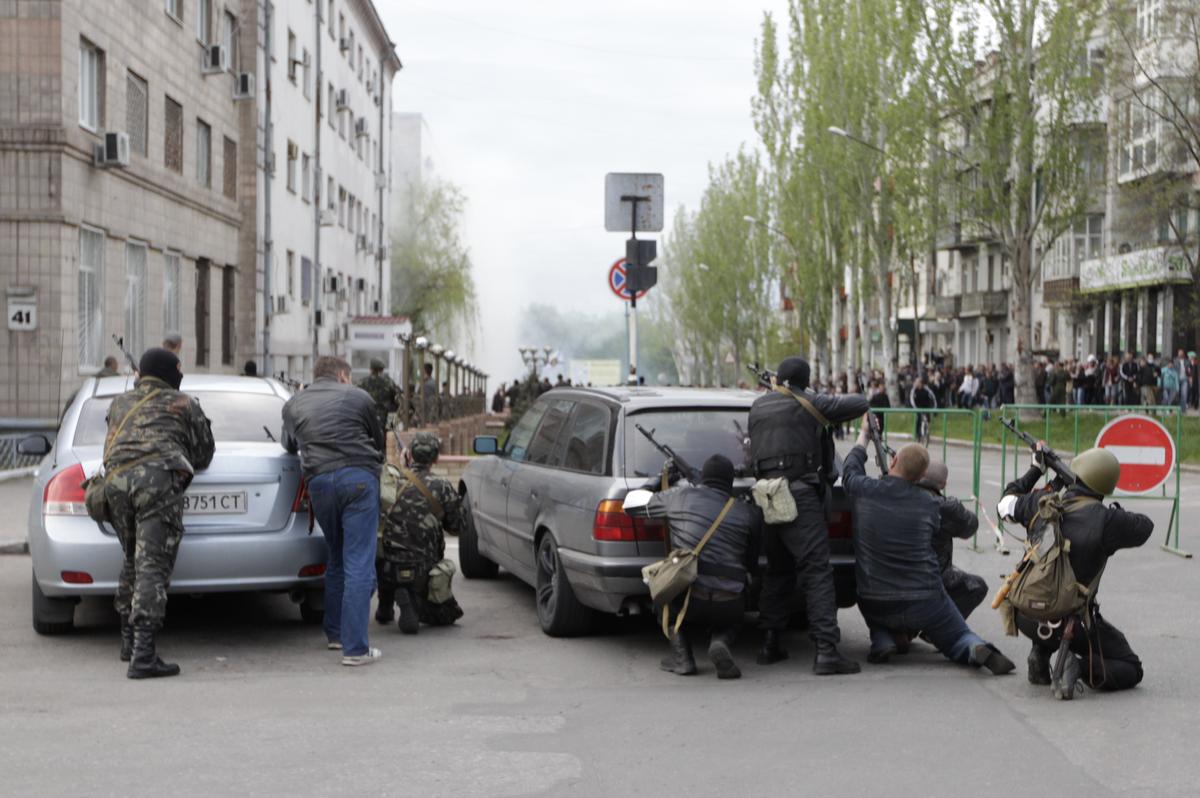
(473,564)
(559,612)
(52,616)
(312,607)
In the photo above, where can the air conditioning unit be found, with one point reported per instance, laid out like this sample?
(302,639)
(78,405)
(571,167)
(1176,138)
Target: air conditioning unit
(215,60)
(114,151)
(381,179)
(360,127)
(360,284)
(281,304)
(328,217)
(293,150)
(243,88)
(344,43)
(343,99)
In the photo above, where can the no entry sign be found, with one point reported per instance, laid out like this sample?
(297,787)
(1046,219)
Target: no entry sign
(1143,447)
(617,281)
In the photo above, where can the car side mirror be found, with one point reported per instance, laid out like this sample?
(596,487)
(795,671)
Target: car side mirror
(486,444)
(34,446)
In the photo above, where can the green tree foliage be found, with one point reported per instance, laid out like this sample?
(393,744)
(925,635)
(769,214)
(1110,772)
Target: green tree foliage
(432,283)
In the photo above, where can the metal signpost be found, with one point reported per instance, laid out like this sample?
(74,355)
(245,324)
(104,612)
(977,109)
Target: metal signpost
(633,202)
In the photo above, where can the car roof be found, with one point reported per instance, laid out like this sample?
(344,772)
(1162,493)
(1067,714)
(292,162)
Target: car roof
(111,386)
(645,397)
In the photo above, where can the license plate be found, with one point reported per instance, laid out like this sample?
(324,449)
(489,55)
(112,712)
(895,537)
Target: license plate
(214,503)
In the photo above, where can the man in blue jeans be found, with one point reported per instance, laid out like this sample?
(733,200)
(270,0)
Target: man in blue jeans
(334,426)
(900,587)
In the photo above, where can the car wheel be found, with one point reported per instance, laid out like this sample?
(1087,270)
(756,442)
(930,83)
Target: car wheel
(473,564)
(52,616)
(312,607)
(559,612)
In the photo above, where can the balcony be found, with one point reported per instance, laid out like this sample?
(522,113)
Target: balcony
(946,307)
(984,303)
(1154,266)
(1057,293)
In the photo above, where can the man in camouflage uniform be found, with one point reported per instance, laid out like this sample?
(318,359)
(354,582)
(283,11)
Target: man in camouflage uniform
(385,392)
(157,439)
(416,511)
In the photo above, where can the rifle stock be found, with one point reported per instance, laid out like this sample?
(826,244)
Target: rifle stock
(766,377)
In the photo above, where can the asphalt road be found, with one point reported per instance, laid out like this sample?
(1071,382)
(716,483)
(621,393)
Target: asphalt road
(492,707)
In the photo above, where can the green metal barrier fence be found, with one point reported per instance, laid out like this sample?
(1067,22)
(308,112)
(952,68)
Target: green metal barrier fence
(1054,435)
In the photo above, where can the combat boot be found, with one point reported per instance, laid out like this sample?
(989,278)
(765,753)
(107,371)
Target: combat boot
(719,651)
(1038,665)
(1065,678)
(772,650)
(126,639)
(385,612)
(988,656)
(146,664)
(830,661)
(410,621)
(680,660)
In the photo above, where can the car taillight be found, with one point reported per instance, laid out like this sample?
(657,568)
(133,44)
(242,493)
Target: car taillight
(301,500)
(840,525)
(612,523)
(64,493)
(316,569)
(77,577)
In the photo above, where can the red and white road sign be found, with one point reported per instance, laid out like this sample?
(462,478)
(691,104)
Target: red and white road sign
(617,281)
(1144,448)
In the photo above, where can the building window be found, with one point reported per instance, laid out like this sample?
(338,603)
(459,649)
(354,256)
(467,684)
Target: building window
(307,76)
(173,136)
(332,108)
(204,20)
(227,302)
(292,153)
(135,296)
(89,319)
(202,306)
(1147,17)
(137,113)
(291,274)
(341,207)
(329,19)
(331,194)
(306,278)
(203,153)
(170,297)
(305,177)
(174,8)
(228,29)
(360,63)
(230,174)
(91,86)
(293,61)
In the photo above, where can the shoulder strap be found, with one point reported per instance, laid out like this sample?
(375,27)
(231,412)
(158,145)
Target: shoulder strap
(724,512)
(806,404)
(434,504)
(112,439)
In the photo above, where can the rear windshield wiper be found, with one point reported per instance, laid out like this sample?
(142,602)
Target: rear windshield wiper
(269,435)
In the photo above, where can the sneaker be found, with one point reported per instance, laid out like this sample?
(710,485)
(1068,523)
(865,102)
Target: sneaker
(372,655)
(333,645)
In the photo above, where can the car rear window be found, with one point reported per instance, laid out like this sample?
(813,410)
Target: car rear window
(695,434)
(235,416)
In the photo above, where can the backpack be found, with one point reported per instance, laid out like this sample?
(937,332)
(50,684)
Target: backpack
(1044,587)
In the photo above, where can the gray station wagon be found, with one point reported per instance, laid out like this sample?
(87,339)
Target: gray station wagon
(547,506)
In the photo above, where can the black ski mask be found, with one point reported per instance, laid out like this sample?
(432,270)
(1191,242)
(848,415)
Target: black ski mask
(795,372)
(163,364)
(717,474)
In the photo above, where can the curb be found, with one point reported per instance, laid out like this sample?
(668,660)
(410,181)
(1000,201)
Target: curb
(17,473)
(14,547)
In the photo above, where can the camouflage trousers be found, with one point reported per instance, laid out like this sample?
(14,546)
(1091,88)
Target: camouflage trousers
(414,580)
(146,507)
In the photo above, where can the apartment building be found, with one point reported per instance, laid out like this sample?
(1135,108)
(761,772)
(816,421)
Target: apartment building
(136,182)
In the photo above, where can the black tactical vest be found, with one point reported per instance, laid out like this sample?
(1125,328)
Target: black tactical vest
(785,441)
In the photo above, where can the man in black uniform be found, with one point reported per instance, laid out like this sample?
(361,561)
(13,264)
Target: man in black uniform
(966,590)
(790,439)
(1096,533)
(717,600)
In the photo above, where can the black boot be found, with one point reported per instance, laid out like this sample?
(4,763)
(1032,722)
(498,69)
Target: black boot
(385,613)
(410,621)
(680,660)
(719,651)
(829,661)
(772,650)
(126,639)
(1065,678)
(988,656)
(1038,665)
(146,663)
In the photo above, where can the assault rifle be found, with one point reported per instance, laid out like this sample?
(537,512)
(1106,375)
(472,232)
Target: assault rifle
(120,342)
(1049,456)
(882,450)
(766,377)
(691,472)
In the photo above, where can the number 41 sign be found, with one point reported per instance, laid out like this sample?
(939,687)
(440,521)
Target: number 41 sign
(22,308)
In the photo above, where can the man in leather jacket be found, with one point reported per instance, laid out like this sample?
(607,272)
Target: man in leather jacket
(717,600)
(1096,533)
(791,441)
(966,590)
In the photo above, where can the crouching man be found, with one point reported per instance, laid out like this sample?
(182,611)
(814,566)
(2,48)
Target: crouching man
(728,533)
(966,590)
(899,583)
(416,511)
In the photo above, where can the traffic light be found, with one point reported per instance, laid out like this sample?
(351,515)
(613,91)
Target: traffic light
(639,274)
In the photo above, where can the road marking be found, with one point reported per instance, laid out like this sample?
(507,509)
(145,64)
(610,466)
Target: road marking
(1139,455)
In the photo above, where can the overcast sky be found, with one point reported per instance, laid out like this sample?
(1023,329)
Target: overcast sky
(529,104)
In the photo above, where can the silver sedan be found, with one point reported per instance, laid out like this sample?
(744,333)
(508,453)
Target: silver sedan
(246,524)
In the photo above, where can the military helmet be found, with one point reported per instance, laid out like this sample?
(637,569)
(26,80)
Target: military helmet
(424,447)
(377,364)
(1098,469)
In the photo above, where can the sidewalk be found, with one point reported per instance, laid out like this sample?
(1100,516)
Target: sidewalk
(14,498)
